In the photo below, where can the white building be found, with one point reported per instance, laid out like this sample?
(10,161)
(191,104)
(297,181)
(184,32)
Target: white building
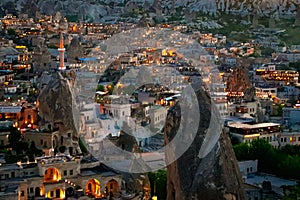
(248,167)
(249,132)
(11,89)
(2,78)
(265,93)
(243,109)
(221,102)
(157,116)
(291,138)
(291,116)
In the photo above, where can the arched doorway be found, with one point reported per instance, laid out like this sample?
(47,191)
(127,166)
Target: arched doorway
(37,192)
(52,175)
(92,188)
(112,188)
(56,193)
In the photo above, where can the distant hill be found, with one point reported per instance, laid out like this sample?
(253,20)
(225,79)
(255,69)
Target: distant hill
(94,10)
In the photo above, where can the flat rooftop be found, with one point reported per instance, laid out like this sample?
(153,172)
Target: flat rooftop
(277,182)
(252,126)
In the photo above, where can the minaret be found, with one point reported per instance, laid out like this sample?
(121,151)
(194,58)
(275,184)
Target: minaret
(61,51)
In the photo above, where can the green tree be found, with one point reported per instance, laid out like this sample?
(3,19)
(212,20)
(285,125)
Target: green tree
(158,183)
(267,51)
(83,146)
(293,192)
(242,151)
(14,138)
(100,88)
(283,162)
(11,32)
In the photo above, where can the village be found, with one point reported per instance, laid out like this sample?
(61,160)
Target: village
(123,79)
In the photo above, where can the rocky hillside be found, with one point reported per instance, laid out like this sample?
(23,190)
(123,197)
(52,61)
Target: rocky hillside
(94,10)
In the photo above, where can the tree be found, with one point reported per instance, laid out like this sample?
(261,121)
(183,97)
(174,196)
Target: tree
(267,51)
(100,88)
(158,183)
(283,162)
(11,32)
(293,192)
(242,151)
(14,138)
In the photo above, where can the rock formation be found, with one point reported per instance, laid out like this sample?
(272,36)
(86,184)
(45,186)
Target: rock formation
(297,20)
(238,80)
(59,114)
(41,58)
(211,177)
(75,50)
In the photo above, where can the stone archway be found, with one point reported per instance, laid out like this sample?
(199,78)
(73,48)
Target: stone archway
(52,175)
(37,192)
(112,188)
(92,188)
(56,193)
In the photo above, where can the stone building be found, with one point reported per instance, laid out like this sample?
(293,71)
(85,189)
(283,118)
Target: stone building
(58,177)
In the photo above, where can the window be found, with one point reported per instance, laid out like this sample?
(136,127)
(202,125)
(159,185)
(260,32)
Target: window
(69,135)
(31,190)
(13,174)
(71,172)
(65,173)
(42,142)
(123,113)
(22,193)
(61,140)
(284,139)
(2,142)
(51,194)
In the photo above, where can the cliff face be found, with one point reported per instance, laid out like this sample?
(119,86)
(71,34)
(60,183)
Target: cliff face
(215,174)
